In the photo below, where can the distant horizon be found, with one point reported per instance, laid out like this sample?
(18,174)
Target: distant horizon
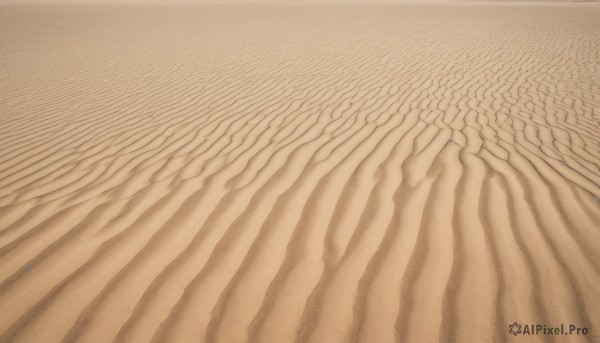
(178,2)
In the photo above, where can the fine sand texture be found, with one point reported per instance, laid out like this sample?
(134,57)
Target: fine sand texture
(298,173)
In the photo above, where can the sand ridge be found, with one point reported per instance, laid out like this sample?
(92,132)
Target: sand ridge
(315,174)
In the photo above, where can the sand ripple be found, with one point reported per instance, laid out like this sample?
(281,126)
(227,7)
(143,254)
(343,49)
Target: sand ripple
(298,173)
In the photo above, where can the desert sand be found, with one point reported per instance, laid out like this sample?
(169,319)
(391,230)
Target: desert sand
(310,173)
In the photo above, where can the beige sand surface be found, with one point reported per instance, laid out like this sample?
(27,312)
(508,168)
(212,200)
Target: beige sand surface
(298,173)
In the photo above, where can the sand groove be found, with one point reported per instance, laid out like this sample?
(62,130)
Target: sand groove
(298,173)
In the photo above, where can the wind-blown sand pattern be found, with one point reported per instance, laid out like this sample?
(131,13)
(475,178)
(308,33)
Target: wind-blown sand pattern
(298,173)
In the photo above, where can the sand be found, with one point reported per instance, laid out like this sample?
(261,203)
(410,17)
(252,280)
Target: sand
(307,173)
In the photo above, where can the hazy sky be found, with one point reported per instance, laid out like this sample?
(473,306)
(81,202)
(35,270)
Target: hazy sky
(117,2)
(206,1)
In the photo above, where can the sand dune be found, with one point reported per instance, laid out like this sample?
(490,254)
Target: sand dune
(311,173)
